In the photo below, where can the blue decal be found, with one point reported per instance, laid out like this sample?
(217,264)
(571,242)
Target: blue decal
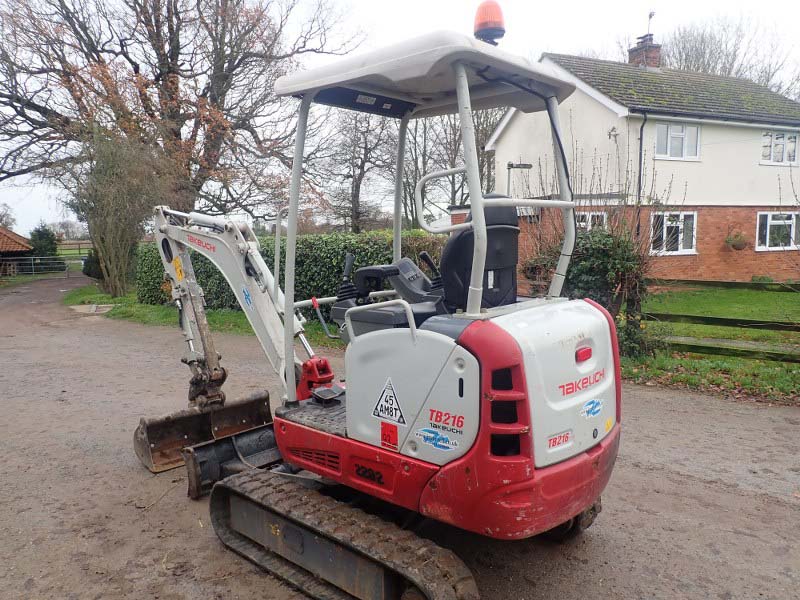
(591,408)
(248,299)
(436,439)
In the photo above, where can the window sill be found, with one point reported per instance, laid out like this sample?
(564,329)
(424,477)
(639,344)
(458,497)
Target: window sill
(673,158)
(778,249)
(769,163)
(677,253)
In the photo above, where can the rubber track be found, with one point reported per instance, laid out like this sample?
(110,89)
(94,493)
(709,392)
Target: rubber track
(436,571)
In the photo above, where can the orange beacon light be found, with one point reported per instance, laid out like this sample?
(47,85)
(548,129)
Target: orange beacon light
(489,25)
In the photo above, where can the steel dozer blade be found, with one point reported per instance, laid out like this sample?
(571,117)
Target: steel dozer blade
(158,441)
(212,461)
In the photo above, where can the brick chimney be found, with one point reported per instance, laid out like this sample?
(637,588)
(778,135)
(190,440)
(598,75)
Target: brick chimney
(645,53)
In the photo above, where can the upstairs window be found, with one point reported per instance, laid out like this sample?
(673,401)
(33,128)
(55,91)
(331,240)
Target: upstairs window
(779,147)
(778,231)
(587,221)
(673,233)
(677,141)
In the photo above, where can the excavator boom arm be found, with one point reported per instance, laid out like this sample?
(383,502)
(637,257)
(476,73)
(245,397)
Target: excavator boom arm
(234,249)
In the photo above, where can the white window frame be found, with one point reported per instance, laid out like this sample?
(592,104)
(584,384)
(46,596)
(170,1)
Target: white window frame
(669,125)
(681,215)
(588,226)
(794,224)
(782,163)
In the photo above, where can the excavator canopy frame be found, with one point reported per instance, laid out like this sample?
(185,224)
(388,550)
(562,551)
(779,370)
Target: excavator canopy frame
(435,74)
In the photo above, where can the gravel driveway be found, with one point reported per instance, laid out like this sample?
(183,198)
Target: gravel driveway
(704,501)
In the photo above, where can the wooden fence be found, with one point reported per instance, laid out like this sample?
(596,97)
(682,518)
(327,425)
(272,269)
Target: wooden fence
(732,347)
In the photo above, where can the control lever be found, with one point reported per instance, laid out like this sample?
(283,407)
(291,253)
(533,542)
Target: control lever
(349,261)
(436,280)
(347,290)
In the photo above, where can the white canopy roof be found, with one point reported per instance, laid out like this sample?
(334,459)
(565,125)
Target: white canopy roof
(416,76)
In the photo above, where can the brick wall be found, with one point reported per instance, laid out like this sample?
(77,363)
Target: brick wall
(714,260)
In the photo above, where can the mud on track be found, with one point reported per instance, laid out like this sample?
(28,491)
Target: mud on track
(704,501)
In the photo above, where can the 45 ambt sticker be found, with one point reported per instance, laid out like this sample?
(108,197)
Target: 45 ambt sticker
(388,406)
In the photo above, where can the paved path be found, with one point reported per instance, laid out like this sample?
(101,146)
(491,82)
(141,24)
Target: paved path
(704,502)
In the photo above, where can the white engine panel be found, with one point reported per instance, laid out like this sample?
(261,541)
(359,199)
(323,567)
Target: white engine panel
(573,404)
(421,397)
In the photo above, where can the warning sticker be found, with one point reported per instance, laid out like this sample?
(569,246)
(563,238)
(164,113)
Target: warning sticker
(388,407)
(389,436)
(176,262)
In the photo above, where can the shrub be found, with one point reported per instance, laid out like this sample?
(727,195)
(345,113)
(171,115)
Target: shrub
(319,264)
(761,279)
(43,241)
(91,266)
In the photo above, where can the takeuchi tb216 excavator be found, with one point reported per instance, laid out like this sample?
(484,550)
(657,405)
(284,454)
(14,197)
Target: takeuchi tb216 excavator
(463,402)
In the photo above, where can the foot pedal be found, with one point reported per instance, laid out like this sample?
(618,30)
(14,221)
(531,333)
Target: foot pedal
(327,396)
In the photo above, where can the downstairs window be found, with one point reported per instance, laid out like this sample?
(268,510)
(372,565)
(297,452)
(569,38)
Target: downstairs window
(673,233)
(778,231)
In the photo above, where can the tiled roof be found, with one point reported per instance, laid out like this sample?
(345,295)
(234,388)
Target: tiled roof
(12,242)
(683,93)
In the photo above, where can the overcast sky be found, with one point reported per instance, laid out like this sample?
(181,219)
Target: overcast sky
(533,27)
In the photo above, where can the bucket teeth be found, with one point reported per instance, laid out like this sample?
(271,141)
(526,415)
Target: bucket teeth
(158,441)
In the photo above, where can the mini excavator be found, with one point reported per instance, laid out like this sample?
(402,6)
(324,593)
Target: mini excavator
(463,402)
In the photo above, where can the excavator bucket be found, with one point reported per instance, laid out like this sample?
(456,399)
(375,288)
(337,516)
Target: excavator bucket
(158,441)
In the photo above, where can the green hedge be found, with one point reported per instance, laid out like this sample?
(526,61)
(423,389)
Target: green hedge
(320,260)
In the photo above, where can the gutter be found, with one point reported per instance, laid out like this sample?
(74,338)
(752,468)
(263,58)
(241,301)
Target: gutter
(715,118)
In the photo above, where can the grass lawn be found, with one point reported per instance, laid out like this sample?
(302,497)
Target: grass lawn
(733,376)
(733,303)
(739,377)
(230,321)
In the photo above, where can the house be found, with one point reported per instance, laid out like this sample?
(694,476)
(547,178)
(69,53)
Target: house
(709,163)
(12,245)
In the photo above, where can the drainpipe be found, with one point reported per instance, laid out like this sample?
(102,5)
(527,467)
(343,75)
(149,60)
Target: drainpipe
(641,167)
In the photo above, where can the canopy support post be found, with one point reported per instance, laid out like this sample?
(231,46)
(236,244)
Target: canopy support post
(397,252)
(565,194)
(475,295)
(291,245)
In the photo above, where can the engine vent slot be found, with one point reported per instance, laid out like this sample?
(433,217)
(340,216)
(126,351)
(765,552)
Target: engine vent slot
(504,444)
(502,380)
(327,460)
(504,411)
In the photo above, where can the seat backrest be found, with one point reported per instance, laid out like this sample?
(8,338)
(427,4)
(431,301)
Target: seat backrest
(502,254)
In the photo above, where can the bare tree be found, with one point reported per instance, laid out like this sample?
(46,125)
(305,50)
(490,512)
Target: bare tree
(418,161)
(193,77)
(7,218)
(68,229)
(734,48)
(362,148)
(450,154)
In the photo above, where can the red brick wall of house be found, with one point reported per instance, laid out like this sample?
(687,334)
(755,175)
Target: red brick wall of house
(714,261)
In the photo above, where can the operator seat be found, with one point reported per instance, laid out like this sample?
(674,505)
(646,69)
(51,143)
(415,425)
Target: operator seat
(502,254)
